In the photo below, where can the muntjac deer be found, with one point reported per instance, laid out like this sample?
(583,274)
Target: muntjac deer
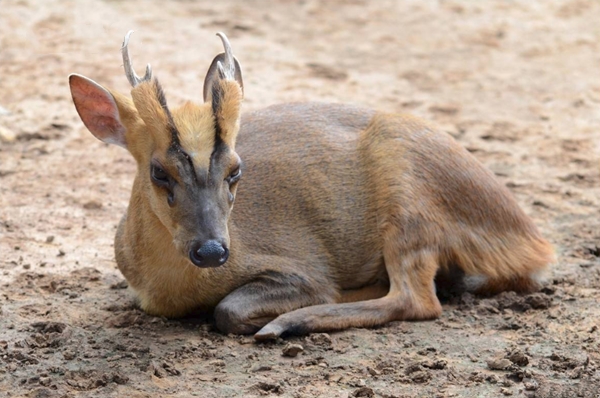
(345,217)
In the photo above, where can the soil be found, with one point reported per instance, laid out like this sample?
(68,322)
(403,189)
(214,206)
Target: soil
(517,83)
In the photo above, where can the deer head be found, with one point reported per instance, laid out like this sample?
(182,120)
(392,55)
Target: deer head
(188,170)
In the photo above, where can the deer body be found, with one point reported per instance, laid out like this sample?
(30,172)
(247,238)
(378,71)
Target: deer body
(345,218)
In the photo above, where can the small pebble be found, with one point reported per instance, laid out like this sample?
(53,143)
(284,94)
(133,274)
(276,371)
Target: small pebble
(45,381)
(518,358)
(261,368)
(363,392)
(92,205)
(499,363)
(372,371)
(292,350)
(7,135)
(531,385)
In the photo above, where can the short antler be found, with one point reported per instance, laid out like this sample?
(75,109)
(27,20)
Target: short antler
(223,67)
(227,68)
(133,78)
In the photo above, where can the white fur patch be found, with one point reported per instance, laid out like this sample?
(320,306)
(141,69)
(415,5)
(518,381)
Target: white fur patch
(474,282)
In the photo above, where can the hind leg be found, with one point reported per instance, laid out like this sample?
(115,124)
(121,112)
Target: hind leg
(412,282)
(411,297)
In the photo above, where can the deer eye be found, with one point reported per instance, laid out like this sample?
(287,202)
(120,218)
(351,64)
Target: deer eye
(159,176)
(234,175)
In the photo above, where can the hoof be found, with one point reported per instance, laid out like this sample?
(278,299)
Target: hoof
(269,332)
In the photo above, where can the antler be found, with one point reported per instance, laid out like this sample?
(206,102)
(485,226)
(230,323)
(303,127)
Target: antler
(133,78)
(223,67)
(226,70)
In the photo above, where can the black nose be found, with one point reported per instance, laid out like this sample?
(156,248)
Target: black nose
(209,254)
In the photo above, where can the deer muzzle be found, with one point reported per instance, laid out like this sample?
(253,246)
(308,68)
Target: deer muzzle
(208,254)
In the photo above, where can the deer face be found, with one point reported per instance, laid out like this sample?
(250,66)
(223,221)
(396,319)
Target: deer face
(191,183)
(188,170)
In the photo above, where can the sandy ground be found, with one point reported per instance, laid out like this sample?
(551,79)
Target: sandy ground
(517,83)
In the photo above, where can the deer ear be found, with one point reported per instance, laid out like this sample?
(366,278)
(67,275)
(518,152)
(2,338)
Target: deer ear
(224,89)
(213,75)
(98,110)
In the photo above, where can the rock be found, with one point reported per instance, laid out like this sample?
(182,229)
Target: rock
(436,364)
(499,363)
(157,370)
(292,350)
(7,135)
(531,385)
(69,354)
(492,379)
(363,392)
(119,378)
(576,373)
(518,358)
(266,387)
(124,320)
(420,376)
(92,205)
(539,301)
(45,381)
(261,368)
(49,326)
(119,285)
(320,339)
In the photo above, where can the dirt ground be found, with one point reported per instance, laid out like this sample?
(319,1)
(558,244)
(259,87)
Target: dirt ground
(516,82)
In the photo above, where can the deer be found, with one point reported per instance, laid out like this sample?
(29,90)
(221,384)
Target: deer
(346,217)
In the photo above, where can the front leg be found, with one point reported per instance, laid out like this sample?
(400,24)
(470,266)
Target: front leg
(270,294)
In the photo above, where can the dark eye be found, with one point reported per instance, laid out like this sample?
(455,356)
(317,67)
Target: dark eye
(234,175)
(159,176)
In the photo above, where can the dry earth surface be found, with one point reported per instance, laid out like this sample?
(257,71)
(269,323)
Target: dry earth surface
(515,82)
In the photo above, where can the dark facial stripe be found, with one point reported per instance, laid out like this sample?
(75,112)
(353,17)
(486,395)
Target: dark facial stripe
(162,100)
(184,159)
(216,94)
(215,157)
(175,143)
(160,95)
(217,97)
(175,148)
(220,146)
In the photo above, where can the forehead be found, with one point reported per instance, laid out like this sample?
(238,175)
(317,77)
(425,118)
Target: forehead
(196,132)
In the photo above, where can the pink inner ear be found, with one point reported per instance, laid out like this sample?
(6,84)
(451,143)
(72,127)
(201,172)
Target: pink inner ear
(98,110)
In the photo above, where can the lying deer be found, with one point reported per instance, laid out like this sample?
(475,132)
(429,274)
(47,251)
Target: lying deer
(345,219)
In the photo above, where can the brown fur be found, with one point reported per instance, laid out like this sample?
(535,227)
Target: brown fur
(191,121)
(344,218)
